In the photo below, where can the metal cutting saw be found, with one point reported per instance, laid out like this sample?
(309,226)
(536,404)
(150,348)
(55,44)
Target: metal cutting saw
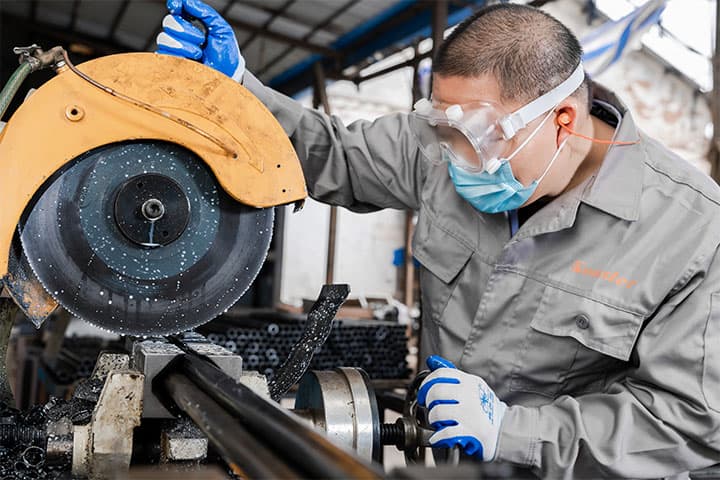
(138,194)
(138,191)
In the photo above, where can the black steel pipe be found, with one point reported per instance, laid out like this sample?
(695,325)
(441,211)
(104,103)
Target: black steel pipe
(245,457)
(275,427)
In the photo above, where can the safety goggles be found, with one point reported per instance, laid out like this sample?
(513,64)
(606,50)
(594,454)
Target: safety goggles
(476,136)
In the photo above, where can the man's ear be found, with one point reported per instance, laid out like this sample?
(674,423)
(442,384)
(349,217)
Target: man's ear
(566,116)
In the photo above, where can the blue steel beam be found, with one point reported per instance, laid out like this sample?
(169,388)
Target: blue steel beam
(362,42)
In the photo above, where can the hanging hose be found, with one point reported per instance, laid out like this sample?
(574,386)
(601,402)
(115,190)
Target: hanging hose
(32,58)
(12,86)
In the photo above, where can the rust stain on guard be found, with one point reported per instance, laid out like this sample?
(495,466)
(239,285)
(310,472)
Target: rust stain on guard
(31,297)
(25,289)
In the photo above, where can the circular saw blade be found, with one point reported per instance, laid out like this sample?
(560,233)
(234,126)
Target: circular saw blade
(75,244)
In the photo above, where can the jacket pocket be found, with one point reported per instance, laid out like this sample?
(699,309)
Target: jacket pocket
(442,258)
(573,344)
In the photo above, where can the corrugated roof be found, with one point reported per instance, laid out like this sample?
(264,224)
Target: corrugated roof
(134,24)
(281,40)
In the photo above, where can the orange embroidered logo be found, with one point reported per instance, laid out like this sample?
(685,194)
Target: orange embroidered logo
(613,277)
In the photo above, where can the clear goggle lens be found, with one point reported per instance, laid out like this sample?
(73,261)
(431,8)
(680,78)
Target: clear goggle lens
(469,136)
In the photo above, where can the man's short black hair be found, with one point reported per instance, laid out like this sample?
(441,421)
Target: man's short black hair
(527,50)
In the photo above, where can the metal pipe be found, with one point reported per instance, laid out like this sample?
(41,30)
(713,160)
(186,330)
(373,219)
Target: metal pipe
(321,98)
(118,18)
(439,24)
(357,79)
(318,26)
(8,310)
(275,427)
(714,153)
(245,457)
(332,237)
(267,23)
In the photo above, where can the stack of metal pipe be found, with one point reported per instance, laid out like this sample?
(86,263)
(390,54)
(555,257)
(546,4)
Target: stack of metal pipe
(76,359)
(378,347)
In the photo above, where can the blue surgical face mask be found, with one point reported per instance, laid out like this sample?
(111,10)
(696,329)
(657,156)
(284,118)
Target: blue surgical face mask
(496,192)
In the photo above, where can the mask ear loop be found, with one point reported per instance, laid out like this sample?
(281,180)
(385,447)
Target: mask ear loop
(530,137)
(563,121)
(557,154)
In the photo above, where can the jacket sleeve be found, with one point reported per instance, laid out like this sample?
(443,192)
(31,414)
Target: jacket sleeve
(365,166)
(663,418)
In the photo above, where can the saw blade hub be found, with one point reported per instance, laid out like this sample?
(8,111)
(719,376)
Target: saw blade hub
(151,210)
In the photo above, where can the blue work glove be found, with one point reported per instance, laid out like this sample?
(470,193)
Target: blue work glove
(462,408)
(181,38)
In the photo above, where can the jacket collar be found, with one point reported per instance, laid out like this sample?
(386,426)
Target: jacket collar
(615,189)
(617,186)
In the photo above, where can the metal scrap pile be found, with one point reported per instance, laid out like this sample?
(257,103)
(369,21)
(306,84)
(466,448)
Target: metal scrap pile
(24,438)
(378,347)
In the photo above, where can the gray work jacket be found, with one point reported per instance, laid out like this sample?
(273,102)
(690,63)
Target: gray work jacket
(598,322)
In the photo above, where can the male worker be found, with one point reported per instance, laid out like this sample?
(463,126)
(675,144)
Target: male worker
(569,261)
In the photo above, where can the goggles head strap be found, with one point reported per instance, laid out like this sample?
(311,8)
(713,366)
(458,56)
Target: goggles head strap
(516,121)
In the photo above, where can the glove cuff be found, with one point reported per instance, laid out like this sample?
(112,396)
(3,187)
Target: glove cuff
(239,70)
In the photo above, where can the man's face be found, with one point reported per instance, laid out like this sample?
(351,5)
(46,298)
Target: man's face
(530,162)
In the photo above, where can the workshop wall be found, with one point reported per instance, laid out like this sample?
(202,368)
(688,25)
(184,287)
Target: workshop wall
(365,243)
